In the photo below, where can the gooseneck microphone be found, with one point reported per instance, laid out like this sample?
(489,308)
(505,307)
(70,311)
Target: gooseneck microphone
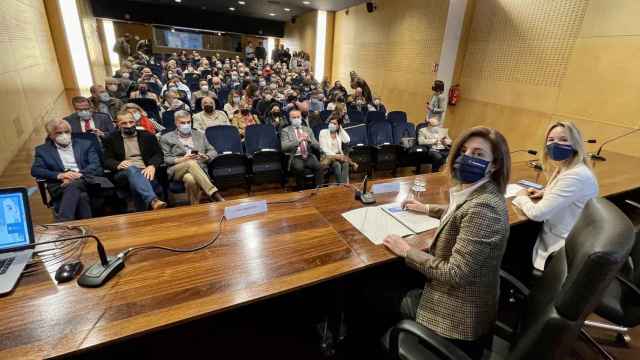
(95,275)
(364,196)
(599,157)
(591,141)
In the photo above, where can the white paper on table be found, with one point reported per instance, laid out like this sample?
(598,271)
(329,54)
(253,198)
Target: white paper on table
(375,224)
(512,190)
(418,223)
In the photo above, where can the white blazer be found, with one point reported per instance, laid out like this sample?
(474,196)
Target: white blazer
(560,207)
(330,146)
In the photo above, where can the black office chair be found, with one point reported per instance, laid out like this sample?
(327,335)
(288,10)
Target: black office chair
(421,152)
(381,138)
(262,145)
(229,168)
(572,285)
(620,304)
(359,150)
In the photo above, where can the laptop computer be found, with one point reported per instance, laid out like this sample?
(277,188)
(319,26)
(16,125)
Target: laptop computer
(15,230)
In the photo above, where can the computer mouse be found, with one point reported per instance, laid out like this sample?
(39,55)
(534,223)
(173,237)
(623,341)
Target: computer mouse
(68,271)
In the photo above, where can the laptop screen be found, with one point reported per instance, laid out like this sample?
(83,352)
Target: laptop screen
(14,220)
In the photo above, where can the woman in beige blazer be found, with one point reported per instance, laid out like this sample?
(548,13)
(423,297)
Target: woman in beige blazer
(462,263)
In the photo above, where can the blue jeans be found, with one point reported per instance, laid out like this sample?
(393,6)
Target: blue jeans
(140,187)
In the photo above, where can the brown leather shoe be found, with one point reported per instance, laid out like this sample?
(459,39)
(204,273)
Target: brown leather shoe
(158,204)
(216,197)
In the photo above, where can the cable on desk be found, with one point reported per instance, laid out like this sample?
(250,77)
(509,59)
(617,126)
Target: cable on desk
(131,251)
(311,194)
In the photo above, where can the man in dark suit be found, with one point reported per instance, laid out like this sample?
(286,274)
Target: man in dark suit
(134,156)
(65,164)
(87,120)
(297,142)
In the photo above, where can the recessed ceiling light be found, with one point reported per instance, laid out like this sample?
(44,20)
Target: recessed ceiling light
(272,14)
(178,1)
(306,2)
(242,3)
(232,9)
(287,9)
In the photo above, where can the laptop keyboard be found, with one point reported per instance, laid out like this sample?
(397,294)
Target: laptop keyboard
(5,263)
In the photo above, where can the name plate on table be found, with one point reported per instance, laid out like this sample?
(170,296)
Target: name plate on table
(385,188)
(246,209)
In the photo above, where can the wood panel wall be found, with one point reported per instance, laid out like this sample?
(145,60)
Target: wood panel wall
(93,41)
(302,34)
(31,86)
(530,62)
(393,49)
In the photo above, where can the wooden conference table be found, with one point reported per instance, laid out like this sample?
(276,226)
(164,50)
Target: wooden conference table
(293,245)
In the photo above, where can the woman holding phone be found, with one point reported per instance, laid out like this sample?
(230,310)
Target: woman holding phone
(462,264)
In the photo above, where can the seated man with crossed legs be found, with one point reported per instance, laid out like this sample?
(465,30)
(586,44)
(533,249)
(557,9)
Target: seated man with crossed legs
(186,153)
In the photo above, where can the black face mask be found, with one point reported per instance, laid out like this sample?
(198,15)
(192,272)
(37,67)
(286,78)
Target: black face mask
(129,131)
(208,108)
(275,113)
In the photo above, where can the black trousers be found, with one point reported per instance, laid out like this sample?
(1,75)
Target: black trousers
(437,158)
(71,201)
(299,165)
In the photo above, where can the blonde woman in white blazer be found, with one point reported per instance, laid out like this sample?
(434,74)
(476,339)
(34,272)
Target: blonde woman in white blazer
(571,184)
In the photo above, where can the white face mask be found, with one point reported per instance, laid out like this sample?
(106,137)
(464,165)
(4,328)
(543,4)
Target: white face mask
(236,100)
(137,116)
(296,122)
(204,88)
(112,88)
(333,127)
(63,139)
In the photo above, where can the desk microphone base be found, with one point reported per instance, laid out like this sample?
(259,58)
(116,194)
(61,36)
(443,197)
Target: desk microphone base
(97,275)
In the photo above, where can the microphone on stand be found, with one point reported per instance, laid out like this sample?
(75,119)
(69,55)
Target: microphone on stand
(591,141)
(95,275)
(599,157)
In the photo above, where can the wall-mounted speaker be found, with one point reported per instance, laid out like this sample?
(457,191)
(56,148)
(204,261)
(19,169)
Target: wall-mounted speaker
(371,7)
(293,20)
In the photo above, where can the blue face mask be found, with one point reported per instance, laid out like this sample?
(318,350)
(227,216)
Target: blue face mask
(185,129)
(560,152)
(469,169)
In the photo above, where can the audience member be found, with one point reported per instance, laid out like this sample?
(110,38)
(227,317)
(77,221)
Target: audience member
(134,156)
(331,141)
(67,165)
(209,116)
(435,106)
(84,119)
(233,103)
(244,118)
(117,88)
(103,102)
(438,141)
(143,121)
(202,92)
(142,92)
(298,142)
(186,153)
